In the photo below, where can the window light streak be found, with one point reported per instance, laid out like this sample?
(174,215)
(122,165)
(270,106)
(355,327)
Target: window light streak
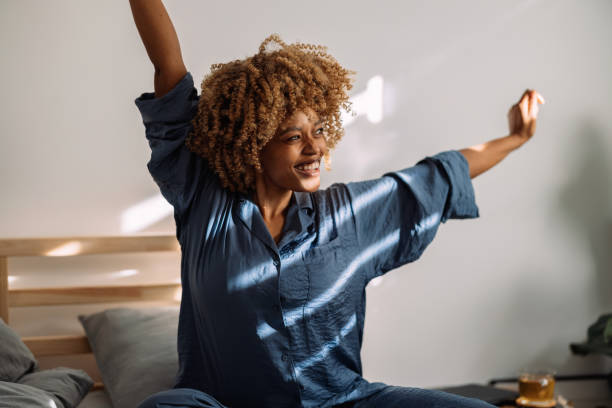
(12,278)
(255,275)
(368,102)
(384,187)
(145,213)
(327,225)
(251,277)
(295,315)
(265,330)
(428,223)
(67,249)
(258,274)
(327,347)
(375,96)
(124,273)
(178,294)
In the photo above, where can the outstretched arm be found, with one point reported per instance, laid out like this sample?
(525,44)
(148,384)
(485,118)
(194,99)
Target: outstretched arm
(160,40)
(522,123)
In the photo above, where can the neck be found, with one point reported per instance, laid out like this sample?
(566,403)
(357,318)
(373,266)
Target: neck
(271,200)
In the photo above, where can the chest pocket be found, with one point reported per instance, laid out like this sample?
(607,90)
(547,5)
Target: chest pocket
(326,267)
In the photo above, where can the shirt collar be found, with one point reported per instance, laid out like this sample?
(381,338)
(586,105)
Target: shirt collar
(304,201)
(294,227)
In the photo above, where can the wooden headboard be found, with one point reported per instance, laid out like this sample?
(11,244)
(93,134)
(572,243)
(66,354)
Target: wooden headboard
(60,345)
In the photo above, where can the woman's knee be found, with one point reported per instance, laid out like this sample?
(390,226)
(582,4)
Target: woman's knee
(181,398)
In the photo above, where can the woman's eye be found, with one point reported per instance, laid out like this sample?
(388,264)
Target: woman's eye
(319,131)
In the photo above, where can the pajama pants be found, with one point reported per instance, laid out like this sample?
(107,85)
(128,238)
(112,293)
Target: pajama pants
(389,397)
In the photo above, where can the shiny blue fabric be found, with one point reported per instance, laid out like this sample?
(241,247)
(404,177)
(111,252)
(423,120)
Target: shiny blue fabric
(389,397)
(272,325)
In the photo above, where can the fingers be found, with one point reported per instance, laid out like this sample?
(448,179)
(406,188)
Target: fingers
(532,94)
(533,107)
(525,95)
(528,103)
(524,106)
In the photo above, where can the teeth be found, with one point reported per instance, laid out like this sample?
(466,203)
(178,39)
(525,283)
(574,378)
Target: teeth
(311,166)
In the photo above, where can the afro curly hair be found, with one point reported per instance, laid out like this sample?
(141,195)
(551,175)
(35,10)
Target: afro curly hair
(243,102)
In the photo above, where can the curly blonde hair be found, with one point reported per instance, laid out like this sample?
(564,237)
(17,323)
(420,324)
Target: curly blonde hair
(243,102)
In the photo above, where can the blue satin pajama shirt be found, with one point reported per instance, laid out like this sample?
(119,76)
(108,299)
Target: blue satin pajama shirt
(272,325)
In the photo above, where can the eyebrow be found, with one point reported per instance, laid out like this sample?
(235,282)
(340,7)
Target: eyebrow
(282,132)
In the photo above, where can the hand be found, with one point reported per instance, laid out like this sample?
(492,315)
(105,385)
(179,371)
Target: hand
(522,115)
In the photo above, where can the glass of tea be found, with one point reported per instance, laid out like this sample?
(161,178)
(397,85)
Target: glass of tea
(536,388)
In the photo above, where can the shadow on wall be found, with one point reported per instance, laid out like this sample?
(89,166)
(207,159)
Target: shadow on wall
(587,202)
(547,313)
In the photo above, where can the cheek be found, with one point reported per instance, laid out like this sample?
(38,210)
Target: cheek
(324,144)
(277,162)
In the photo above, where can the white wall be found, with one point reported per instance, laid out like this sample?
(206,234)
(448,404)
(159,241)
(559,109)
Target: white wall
(510,289)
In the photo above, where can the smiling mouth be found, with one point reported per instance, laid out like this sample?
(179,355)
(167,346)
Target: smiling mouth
(309,169)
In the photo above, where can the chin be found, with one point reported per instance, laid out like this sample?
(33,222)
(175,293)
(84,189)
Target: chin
(309,187)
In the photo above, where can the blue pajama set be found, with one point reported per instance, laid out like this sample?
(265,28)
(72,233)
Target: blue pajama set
(281,325)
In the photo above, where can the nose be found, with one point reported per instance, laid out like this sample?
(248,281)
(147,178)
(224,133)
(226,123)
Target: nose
(315,145)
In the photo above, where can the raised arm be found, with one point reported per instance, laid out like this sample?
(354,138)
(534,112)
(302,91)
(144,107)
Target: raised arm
(161,42)
(521,122)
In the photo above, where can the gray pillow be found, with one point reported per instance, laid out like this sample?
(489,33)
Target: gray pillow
(16,359)
(135,350)
(68,385)
(14,395)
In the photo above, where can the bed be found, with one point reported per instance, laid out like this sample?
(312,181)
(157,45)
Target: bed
(128,352)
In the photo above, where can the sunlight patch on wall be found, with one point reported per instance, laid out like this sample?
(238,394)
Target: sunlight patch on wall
(145,213)
(368,103)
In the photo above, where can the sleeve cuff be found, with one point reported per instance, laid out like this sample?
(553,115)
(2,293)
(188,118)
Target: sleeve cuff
(174,106)
(461,202)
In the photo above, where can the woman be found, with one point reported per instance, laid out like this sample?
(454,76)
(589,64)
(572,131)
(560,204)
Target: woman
(273,269)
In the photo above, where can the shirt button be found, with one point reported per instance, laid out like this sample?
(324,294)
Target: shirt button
(284,357)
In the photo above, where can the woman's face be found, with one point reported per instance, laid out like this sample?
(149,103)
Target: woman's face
(291,160)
